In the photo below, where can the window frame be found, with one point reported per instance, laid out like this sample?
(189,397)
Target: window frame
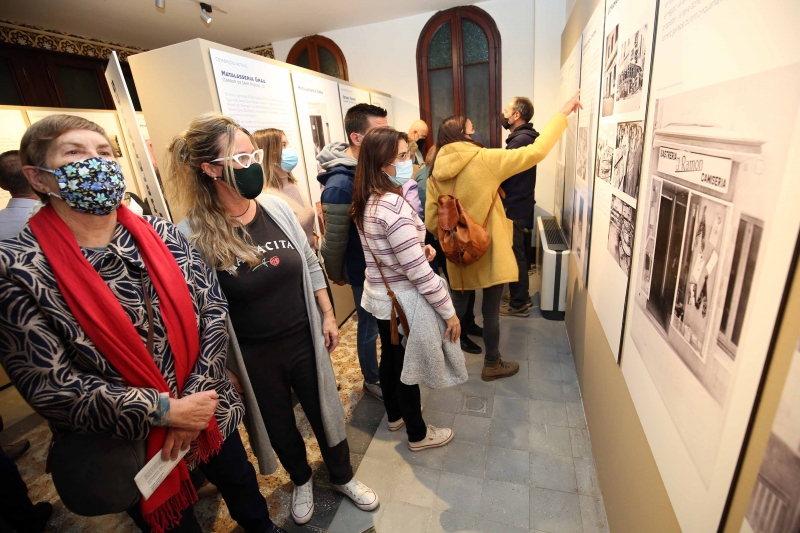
(312,43)
(454,16)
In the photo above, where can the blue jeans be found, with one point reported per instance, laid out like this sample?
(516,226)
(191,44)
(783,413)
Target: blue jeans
(366,337)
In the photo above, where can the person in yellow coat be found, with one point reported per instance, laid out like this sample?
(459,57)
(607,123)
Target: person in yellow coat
(480,171)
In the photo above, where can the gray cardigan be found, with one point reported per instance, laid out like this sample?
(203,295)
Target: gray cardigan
(313,280)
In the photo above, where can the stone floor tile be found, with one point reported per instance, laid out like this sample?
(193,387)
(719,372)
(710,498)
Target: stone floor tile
(438,418)
(581,445)
(488,526)
(474,363)
(510,434)
(458,493)
(575,415)
(586,476)
(541,352)
(568,373)
(511,408)
(554,440)
(401,517)
(475,386)
(475,400)
(358,438)
(450,522)
(465,458)
(553,472)
(472,429)
(591,517)
(368,413)
(430,458)
(555,511)
(415,485)
(350,518)
(515,386)
(507,503)
(551,413)
(566,357)
(444,400)
(544,370)
(572,392)
(379,475)
(504,464)
(548,390)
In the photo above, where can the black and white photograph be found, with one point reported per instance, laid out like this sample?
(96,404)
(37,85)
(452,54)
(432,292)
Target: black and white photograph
(714,180)
(630,72)
(610,72)
(606,142)
(320,129)
(626,165)
(775,502)
(582,156)
(620,233)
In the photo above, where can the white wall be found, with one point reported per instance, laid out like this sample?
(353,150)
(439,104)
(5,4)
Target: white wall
(384,56)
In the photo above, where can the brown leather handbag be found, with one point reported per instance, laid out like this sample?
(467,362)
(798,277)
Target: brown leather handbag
(463,240)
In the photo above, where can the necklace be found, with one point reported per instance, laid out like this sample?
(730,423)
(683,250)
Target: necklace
(238,218)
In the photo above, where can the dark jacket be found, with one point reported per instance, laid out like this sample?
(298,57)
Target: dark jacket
(519,188)
(341,247)
(421,177)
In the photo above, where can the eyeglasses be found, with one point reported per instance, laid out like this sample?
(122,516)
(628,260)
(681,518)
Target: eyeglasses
(245,159)
(402,156)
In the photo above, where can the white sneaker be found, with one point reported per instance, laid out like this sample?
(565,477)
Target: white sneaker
(363,497)
(374,389)
(303,502)
(397,424)
(435,438)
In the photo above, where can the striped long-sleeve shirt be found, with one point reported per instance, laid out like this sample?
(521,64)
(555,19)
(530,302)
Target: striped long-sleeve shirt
(396,235)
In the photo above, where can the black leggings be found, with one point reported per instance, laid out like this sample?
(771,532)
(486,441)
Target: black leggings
(401,400)
(276,367)
(463,301)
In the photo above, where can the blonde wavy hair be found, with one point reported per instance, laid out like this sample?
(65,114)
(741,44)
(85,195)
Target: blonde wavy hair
(270,140)
(217,239)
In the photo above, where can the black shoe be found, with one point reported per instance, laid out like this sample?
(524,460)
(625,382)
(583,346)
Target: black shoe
(469,346)
(474,329)
(42,512)
(17,449)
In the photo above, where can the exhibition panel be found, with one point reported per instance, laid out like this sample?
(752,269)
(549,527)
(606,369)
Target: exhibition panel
(385,102)
(351,96)
(569,82)
(715,240)
(626,66)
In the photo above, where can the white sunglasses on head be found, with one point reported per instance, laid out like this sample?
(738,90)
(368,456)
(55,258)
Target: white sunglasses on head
(245,159)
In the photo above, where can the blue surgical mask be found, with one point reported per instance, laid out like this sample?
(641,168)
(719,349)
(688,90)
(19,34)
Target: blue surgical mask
(288,159)
(94,186)
(476,137)
(403,172)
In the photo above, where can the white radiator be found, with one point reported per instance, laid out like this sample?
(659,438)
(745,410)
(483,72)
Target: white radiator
(552,266)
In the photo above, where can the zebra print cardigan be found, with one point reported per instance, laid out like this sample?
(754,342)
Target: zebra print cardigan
(61,373)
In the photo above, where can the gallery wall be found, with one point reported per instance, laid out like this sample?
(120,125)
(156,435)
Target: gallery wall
(383,56)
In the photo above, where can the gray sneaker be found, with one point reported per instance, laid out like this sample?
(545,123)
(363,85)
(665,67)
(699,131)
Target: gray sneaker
(374,389)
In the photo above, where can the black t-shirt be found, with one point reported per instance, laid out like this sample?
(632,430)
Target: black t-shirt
(267,301)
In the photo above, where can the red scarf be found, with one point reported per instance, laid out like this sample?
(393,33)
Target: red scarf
(102,318)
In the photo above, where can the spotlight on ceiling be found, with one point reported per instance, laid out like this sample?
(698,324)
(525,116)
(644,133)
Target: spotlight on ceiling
(205,12)
(161,3)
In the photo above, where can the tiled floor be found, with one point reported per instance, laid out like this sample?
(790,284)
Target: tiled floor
(521,460)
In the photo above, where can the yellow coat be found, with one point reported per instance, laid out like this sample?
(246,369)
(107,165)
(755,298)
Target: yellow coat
(480,172)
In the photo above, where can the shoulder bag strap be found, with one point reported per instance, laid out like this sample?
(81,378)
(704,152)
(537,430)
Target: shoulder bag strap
(397,310)
(500,192)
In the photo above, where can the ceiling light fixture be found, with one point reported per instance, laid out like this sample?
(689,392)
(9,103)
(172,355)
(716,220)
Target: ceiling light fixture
(205,12)
(161,3)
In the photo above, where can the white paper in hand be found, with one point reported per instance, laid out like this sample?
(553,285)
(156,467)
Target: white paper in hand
(154,472)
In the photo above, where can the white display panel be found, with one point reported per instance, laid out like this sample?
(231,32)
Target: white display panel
(591,66)
(141,164)
(106,120)
(319,114)
(12,128)
(710,267)
(258,95)
(569,83)
(627,59)
(386,103)
(350,96)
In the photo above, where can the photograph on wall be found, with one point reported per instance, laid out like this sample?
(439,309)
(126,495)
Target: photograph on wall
(626,164)
(582,154)
(775,502)
(320,127)
(606,144)
(713,246)
(610,71)
(620,233)
(630,71)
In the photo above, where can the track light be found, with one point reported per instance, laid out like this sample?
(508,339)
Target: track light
(161,3)
(205,11)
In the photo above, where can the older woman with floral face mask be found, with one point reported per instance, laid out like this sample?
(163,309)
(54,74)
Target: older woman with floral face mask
(114,328)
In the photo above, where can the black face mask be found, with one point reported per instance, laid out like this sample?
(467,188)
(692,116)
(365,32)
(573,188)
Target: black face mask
(504,122)
(250,180)
(477,138)
(421,144)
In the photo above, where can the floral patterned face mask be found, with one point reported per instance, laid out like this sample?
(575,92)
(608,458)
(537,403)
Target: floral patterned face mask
(94,186)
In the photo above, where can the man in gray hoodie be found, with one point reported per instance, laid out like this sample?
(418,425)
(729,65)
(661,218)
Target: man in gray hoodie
(341,247)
